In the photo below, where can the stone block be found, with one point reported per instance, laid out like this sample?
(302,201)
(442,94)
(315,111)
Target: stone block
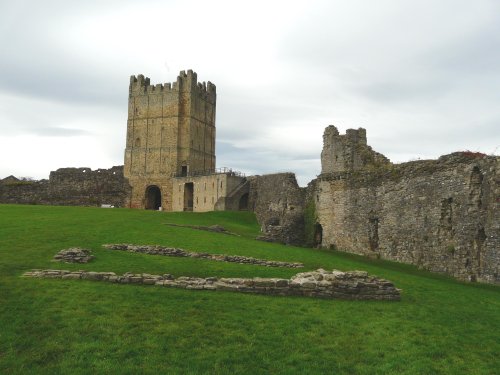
(281,283)
(260,282)
(92,276)
(72,276)
(308,284)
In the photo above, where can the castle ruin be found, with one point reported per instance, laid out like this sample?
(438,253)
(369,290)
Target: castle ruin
(442,215)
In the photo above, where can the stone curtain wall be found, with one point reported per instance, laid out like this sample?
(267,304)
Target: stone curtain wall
(278,203)
(25,192)
(82,186)
(442,215)
(70,187)
(354,285)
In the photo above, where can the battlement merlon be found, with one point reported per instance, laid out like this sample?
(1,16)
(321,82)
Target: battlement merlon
(186,82)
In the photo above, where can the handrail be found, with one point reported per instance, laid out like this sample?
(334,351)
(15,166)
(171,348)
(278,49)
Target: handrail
(208,172)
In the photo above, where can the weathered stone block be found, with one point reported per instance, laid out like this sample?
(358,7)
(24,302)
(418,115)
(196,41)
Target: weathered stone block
(72,276)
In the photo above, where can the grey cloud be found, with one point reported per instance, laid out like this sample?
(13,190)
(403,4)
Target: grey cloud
(475,54)
(433,141)
(35,65)
(403,91)
(58,132)
(421,90)
(62,79)
(265,161)
(20,116)
(384,66)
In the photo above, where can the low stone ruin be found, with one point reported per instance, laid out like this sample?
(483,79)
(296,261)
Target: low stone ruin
(176,252)
(352,285)
(74,255)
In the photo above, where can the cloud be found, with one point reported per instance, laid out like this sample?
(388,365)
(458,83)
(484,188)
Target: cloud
(421,76)
(59,132)
(39,61)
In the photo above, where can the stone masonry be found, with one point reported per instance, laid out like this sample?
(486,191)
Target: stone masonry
(442,215)
(176,252)
(278,203)
(354,285)
(170,132)
(70,187)
(74,255)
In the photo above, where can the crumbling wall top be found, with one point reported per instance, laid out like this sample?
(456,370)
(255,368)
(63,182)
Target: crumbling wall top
(348,152)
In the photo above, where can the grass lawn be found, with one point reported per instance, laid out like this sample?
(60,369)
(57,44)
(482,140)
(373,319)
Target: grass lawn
(441,326)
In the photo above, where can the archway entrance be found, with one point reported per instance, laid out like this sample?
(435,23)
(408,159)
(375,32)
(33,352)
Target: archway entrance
(318,235)
(153,198)
(188,196)
(243,205)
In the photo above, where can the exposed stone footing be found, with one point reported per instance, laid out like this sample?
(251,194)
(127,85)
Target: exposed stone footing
(353,285)
(74,255)
(175,252)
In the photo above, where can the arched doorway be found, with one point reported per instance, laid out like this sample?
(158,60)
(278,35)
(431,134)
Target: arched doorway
(318,235)
(243,205)
(153,198)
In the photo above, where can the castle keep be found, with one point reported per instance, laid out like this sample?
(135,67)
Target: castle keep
(170,132)
(170,150)
(442,215)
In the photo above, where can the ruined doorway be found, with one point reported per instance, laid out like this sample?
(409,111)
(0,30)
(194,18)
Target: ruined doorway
(188,196)
(243,205)
(318,235)
(153,198)
(373,232)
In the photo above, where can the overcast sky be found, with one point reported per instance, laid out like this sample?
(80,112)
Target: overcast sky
(423,77)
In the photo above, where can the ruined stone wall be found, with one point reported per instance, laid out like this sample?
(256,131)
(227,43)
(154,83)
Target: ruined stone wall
(278,203)
(347,152)
(442,215)
(351,285)
(25,192)
(71,187)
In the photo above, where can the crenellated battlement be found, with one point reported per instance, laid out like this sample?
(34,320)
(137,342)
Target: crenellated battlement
(186,82)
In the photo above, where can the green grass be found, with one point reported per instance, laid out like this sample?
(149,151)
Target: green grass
(441,326)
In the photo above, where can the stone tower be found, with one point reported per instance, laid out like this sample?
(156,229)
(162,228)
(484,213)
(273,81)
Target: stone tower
(170,132)
(347,153)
